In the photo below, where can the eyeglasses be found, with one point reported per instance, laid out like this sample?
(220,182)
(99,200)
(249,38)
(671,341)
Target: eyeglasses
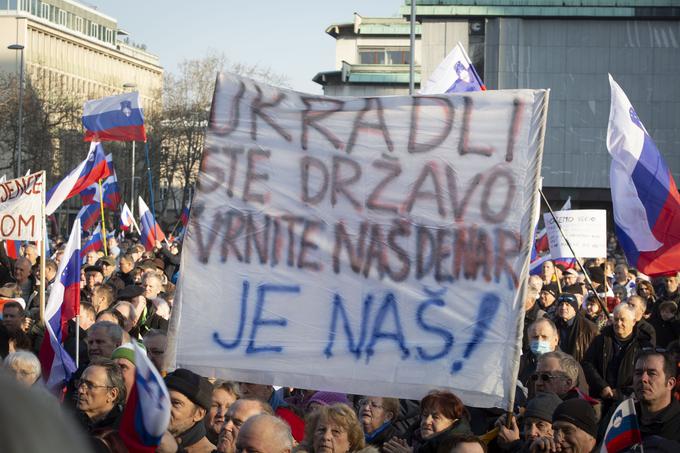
(89,385)
(363,402)
(545,377)
(650,349)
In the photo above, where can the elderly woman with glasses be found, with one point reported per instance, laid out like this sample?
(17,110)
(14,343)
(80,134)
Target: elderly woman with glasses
(25,367)
(377,416)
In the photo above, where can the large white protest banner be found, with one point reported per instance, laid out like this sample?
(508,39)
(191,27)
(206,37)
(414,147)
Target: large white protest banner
(368,245)
(20,208)
(586,230)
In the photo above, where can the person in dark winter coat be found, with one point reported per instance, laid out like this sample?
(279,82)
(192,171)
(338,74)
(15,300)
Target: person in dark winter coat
(442,417)
(575,331)
(608,363)
(101,393)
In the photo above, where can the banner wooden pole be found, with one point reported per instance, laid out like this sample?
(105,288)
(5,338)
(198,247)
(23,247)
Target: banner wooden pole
(44,250)
(101,206)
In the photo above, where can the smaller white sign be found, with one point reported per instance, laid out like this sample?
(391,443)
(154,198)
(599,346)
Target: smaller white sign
(586,230)
(20,208)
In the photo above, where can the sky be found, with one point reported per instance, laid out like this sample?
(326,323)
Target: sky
(287,36)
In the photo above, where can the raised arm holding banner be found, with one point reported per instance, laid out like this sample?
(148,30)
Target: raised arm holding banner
(362,243)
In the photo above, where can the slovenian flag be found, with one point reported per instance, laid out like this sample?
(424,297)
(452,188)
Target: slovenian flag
(184,217)
(150,230)
(91,170)
(623,430)
(456,74)
(95,242)
(62,305)
(127,220)
(147,412)
(89,215)
(112,196)
(114,118)
(645,199)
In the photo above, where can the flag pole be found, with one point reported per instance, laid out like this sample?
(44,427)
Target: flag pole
(44,251)
(101,206)
(603,306)
(132,185)
(148,172)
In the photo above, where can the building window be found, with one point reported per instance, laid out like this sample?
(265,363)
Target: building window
(398,56)
(79,24)
(372,56)
(62,17)
(45,11)
(384,55)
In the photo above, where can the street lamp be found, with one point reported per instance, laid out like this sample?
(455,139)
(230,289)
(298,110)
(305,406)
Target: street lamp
(132,86)
(20,125)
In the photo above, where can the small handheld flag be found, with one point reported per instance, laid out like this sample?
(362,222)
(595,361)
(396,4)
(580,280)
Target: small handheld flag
(456,74)
(96,242)
(623,430)
(147,412)
(150,230)
(114,118)
(62,305)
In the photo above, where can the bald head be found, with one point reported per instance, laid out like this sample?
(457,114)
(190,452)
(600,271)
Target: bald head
(22,269)
(237,415)
(266,434)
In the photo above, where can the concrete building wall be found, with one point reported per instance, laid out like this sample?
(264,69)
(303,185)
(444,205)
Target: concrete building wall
(86,68)
(572,58)
(438,39)
(356,89)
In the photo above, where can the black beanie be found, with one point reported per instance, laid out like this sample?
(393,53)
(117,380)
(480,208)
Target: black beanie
(195,387)
(579,413)
(542,406)
(568,298)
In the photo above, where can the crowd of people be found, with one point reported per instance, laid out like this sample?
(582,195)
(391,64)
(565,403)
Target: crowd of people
(586,348)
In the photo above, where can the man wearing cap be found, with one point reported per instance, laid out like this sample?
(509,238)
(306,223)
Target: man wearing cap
(190,397)
(94,276)
(574,425)
(108,267)
(548,296)
(124,356)
(575,331)
(537,422)
(135,295)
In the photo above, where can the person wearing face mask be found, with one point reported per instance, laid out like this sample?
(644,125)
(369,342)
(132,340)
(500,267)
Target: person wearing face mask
(532,312)
(543,339)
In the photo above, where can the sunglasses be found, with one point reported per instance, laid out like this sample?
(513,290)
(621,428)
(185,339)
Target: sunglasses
(545,377)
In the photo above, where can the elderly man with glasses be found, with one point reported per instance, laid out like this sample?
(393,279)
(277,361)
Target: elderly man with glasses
(101,394)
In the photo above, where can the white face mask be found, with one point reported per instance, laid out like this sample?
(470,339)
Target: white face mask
(540,347)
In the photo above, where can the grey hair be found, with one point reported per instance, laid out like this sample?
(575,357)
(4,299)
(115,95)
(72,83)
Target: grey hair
(569,365)
(123,303)
(24,358)
(624,308)
(112,330)
(277,427)
(228,386)
(547,321)
(114,376)
(535,282)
